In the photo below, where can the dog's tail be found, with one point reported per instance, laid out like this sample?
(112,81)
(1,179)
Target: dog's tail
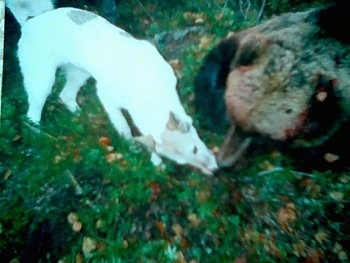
(23,10)
(209,84)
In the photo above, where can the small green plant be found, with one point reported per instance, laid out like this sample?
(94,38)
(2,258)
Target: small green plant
(72,190)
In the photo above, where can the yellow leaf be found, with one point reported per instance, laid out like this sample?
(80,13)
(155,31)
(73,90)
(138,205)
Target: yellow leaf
(88,245)
(286,215)
(205,42)
(330,157)
(72,218)
(178,230)
(194,220)
(77,226)
(321,237)
(338,196)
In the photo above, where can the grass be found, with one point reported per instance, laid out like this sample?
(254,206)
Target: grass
(72,190)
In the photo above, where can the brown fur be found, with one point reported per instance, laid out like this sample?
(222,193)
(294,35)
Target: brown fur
(288,80)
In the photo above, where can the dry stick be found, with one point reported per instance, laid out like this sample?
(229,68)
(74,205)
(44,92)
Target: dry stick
(78,189)
(261,10)
(242,148)
(37,130)
(146,12)
(282,169)
(241,4)
(230,161)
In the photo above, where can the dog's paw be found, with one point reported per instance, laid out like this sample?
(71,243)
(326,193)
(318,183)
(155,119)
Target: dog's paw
(157,160)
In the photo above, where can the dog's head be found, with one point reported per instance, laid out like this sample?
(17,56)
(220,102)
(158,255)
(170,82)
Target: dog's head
(179,141)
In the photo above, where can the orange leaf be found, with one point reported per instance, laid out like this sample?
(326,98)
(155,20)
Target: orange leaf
(161,227)
(104,141)
(286,215)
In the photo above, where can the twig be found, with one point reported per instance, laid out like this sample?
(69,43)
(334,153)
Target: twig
(37,130)
(241,6)
(282,169)
(273,170)
(147,13)
(78,189)
(242,148)
(261,11)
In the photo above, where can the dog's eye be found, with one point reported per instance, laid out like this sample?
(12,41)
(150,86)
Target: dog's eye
(195,150)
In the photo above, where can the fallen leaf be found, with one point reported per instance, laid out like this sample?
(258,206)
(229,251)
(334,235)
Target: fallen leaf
(194,220)
(337,196)
(77,226)
(300,248)
(104,141)
(79,258)
(286,215)
(99,224)
(7,174)
(321,236)
(74,221)
(57,159)
(112,157)
(161,227)
(180,257)
(88,245)
(176,65)
(16,138)
(184,243)
(155,189)
(205,42)
(240,260)
(72,218)
(178,230)
(203,195)
(125,243)
(314,256)
(101,246)
(331,158)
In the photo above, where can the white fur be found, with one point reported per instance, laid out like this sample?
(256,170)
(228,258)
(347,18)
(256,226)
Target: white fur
(130,74)
(24,9)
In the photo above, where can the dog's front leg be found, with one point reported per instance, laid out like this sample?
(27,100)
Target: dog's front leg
(119,122)
(116,117)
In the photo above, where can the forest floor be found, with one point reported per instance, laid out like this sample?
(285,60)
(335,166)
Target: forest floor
(72,190)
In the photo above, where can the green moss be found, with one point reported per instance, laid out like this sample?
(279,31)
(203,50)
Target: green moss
(127,210)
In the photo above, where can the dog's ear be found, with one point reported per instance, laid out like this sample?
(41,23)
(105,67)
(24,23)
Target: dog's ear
(146,140)
(175,123)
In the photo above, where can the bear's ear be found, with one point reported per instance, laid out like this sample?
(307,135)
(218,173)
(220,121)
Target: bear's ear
(250,49)
(175,123)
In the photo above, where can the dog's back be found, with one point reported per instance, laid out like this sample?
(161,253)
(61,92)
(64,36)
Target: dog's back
(69,35)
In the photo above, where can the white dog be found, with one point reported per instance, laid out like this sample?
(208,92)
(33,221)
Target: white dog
(130,74)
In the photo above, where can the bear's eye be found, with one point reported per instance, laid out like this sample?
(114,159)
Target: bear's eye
(195,150)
